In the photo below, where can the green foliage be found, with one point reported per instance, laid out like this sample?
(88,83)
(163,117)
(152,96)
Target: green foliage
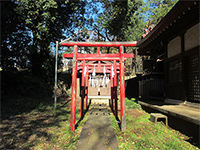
(124,13)
(31,26)
(125,20)
(157,9)
(130,103)
(14,38)
(46,20)
(113,19)
(23,84)
(141,133)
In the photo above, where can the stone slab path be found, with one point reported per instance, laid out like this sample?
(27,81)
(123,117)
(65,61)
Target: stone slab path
(98,133)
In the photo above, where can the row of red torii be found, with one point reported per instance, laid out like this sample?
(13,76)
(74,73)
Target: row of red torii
(116,63)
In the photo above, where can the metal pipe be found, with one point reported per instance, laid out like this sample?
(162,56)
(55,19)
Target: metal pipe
(56,68)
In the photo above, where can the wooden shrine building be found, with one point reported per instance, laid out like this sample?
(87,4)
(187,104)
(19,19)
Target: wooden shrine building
(172,68)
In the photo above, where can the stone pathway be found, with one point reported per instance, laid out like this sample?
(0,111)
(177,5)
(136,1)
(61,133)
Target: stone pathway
(98,133)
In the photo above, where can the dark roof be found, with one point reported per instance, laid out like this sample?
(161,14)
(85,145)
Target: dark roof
(182,16)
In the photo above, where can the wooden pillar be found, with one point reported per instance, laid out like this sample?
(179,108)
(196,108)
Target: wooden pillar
(115,89)
(74,89)
(111,86)
(82,89)
(184,70)
(86,86)
(98,50)
(122,89)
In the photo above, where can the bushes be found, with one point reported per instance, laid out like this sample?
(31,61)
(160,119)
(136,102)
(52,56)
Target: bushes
(22,83)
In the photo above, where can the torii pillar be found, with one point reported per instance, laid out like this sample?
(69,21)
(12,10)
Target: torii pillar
(74,89)
(83,89)
(122,89)
(115,89)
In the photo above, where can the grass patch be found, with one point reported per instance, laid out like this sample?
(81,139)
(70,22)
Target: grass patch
(141,133)
(130,103)
(42,128)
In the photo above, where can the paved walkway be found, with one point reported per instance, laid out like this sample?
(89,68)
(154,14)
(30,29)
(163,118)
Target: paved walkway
(98,133)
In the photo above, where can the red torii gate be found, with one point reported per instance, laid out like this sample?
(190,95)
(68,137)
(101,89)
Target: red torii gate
(121,57)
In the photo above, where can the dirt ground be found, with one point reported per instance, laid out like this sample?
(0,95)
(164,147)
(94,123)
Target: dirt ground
(21,125)
(134,113)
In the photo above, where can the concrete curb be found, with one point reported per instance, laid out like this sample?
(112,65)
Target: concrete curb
(173,113)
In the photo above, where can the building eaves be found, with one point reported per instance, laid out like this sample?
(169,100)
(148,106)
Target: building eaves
(173,15)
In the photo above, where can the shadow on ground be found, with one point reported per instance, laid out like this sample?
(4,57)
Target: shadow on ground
(85,111)
(22,92)
(20,131)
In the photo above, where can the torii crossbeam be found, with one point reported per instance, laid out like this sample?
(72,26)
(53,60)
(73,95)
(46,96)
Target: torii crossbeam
(119,57)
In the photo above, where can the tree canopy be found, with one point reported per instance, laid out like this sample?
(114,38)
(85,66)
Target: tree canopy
(36,24)
(114,19)
(29,27)
(14,37)
(157,9)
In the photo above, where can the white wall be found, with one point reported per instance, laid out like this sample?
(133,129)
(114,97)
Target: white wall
(192,37)
(174,47)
